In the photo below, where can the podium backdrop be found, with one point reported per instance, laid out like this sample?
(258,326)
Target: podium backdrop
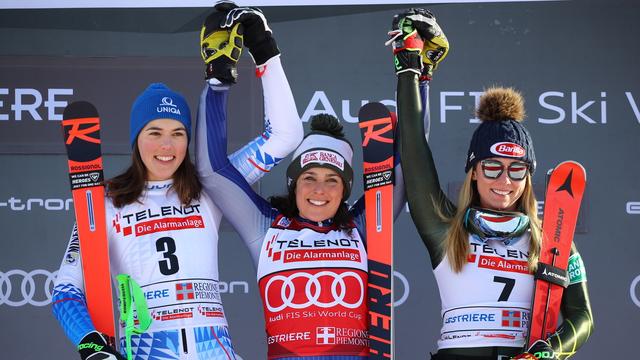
(574,61)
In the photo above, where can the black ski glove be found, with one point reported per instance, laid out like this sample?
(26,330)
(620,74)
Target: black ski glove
(220,48)
(436,45)
(257,34)
(540,350)
(93,346)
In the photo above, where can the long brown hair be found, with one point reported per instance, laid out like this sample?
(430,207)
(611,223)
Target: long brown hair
(457,238)
(127,187)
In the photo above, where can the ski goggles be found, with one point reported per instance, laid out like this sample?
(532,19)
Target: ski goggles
(492,169)
(505,226)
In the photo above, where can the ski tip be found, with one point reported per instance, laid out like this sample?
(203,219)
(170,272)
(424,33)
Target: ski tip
(79,109)
(573,165)
(373,110)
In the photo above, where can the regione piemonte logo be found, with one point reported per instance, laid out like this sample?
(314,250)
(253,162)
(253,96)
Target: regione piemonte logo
(325,335)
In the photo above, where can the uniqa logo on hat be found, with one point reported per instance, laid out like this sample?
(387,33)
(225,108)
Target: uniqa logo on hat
(167,105)
(507,149)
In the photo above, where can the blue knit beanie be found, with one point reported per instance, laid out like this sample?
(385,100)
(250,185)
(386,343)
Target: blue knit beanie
(158,102)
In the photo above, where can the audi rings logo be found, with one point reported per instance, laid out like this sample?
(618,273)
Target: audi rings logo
(313,290)
(19,288)
(633,291)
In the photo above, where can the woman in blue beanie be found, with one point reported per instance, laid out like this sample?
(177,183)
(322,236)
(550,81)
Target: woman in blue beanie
(163,229)
(485,307)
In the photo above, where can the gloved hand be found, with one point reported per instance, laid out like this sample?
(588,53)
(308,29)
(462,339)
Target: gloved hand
(257,34)
(436,45)
(93,346)
(539,350)
(220,48)
(407,45)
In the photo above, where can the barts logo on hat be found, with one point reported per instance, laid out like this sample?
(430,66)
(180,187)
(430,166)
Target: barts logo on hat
(167,105)
(508,149)
(322,157)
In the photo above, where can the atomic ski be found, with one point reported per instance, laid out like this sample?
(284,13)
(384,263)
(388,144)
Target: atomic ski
(81,127)
(561,206)
(376,128)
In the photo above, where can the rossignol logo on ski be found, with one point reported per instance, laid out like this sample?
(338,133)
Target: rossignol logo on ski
(74,129)
(377,134)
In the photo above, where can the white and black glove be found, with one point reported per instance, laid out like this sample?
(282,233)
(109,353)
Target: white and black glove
(93,346)
(257,34)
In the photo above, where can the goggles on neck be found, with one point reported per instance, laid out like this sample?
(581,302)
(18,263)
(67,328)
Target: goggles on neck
(505,226)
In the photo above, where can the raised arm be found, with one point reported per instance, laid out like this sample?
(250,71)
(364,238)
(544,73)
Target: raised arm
(427,202)
(249,214)
(282,126)
(223,34)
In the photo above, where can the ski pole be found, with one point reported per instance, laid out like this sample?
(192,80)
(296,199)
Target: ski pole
(131,293)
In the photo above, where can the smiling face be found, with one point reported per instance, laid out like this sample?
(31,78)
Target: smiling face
(500,194)
(162,145)
(319,193)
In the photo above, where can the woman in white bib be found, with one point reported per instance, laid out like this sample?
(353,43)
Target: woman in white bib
(484,249)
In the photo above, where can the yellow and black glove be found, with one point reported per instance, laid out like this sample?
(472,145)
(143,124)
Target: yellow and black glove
(436,45)
(221,48)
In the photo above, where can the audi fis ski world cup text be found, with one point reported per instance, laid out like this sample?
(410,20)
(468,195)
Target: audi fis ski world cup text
(553,107)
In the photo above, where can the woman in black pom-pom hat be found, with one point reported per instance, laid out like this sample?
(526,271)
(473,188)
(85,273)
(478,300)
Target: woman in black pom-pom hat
(484,250)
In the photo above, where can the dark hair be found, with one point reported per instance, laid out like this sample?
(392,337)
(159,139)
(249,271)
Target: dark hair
(286,205)
(327,124)
(127,187)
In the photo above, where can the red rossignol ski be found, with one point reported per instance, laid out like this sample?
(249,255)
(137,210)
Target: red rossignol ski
(81,127)
(561,206)
(376,127)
